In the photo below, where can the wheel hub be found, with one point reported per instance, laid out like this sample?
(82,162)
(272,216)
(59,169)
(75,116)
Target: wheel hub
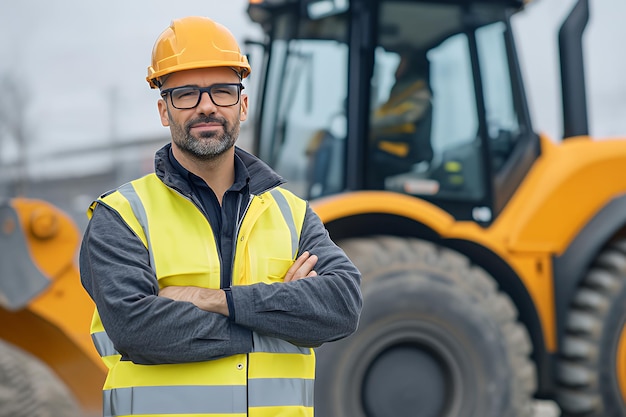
(406,380)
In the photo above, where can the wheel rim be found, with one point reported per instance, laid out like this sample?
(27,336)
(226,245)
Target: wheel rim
(621,363)
(405,378)
(420,311)
(415,348)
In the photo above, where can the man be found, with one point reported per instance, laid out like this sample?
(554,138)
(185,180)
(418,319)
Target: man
(212,283)
(401,127)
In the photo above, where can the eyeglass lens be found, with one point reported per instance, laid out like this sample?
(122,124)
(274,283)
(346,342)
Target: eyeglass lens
(220,94)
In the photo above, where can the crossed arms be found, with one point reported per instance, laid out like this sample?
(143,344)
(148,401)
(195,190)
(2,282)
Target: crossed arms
(187,324)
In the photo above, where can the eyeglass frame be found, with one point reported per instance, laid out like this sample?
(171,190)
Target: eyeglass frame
(202,90)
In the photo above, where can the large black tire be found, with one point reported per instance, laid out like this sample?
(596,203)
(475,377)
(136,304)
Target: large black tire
(591,383)
(436,339)
(28,388)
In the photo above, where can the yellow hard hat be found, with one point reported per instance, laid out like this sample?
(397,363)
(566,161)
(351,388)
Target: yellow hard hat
(195,42)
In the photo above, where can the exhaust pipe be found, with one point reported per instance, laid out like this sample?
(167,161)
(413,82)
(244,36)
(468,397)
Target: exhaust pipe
(573,90)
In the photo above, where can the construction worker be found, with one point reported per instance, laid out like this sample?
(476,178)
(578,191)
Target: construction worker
(401,127)
(212,283)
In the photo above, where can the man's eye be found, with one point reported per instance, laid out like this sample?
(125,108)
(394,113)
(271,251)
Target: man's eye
(223,91)
(186,93)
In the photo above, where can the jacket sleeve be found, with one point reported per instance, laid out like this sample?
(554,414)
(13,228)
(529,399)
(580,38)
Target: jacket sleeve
(310,311)
(147,329)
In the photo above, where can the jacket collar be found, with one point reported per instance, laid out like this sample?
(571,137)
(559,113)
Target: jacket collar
(262,177)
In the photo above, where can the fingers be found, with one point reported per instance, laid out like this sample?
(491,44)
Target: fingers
(289,276)
(302,267)
(307,266)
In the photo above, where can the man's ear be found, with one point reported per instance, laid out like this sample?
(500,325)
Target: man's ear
(162,106)
(243,113)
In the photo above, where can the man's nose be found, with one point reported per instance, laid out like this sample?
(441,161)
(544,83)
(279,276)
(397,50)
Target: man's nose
(206,105)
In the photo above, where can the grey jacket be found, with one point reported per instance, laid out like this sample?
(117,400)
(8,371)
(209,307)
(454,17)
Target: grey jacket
(147,329)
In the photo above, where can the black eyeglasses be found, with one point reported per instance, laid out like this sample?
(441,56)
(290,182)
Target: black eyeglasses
(188,97)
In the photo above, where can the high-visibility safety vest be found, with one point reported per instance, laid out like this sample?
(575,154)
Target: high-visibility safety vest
(277,378)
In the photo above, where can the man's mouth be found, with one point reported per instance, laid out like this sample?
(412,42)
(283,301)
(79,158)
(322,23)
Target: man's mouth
(206,128)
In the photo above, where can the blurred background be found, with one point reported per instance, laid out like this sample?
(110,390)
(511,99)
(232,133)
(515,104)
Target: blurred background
(77,117)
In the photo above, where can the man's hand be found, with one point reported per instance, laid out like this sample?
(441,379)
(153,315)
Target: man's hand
(302,267)
(204,298)
(215,300)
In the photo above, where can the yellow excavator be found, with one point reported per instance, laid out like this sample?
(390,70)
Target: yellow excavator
(493,257)
(48,365)
(494,263)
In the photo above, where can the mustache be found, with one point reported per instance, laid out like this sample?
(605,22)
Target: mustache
(205,119)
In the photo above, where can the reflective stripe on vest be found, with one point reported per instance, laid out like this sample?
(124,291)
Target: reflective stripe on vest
(168,400)
(178,400)
(286,211)
(131,196)
(278,377)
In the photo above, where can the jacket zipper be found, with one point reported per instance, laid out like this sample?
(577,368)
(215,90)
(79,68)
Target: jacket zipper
(229,280)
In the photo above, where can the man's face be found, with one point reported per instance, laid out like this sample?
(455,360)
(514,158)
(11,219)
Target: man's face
(207,130)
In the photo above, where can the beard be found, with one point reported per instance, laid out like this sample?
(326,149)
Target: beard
(207,145)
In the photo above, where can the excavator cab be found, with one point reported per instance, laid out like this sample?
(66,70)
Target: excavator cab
(493,258)
(464,141)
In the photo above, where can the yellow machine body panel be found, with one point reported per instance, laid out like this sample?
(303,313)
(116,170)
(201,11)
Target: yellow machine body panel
(540,221)
(43,307)
(568,184)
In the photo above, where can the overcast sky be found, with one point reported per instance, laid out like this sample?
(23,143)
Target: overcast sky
(605,62)
(83,64)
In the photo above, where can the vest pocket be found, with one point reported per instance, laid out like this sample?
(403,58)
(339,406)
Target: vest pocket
(277,268)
